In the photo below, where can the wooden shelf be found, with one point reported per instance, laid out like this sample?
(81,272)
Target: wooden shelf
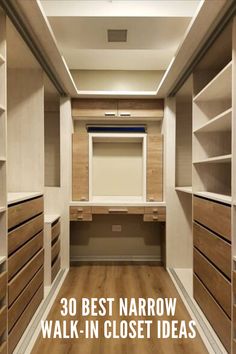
(3,259)
(220,123)
(21,196)
(187,189)
(217,159)
(2,209)
(2,59)
(219,88)
(227,199)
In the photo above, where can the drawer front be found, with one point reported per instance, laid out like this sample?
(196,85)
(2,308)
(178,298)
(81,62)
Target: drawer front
(213,247)
(84,217)
(117,210)
(234,282)
(215,315)
(23,211)
(23,233)
(3,348)
(215,216)
(3,285)
(155,210)
(3,320)
(19,328)
(55,268)
(19,282)
(23,300)
(24,254)
(95,108)
(150,217)
(80,213)
(55,250)
(56,230)
(214,281)
(140,108)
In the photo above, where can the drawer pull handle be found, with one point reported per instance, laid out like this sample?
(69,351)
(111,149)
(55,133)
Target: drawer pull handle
(155,217)
(125,114)
(155,211)
(110,114)
(80,217)
(117,211)
(80,210)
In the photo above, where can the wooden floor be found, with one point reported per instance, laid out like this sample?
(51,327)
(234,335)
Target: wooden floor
(118,281)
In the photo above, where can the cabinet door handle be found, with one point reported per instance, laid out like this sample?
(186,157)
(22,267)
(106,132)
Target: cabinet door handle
(110,114)
(155,210)
(118,211)
(125,114)
(80,210)
(155,217)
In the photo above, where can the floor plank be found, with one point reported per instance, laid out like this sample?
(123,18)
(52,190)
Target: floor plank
(118,281)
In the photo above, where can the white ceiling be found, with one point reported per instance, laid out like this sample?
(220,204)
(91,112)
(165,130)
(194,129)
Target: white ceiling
(155,30)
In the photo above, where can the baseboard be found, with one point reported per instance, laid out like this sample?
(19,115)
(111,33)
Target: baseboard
(113,260)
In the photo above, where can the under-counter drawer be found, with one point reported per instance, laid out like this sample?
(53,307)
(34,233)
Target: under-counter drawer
(55,250)
(25,297)
(18,259)
(81,213)
(21,212)
(56,268)
(3,320)
(213,247)
(56,229)
(117,210)
(213,215)
(213,312)
(19,328)
(214,281)
(19,282)
(23,233)
(3,285)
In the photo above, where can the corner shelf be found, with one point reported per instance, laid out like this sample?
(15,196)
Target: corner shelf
(187,189)
(218,88)
(227,199)
(217,159)
(222,122)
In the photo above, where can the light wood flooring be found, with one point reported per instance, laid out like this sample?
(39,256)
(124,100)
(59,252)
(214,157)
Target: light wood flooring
(118,281)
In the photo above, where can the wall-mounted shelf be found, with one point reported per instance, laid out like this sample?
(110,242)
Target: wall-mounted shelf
(217,159)
(227,199)
(221,123)
(187,189)
(219,88)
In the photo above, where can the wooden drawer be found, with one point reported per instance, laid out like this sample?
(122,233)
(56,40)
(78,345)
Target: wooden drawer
(3,320)
(234,282)
(117,210)
(80,213)
(140,108)
(3,285)
(3,348)
(23,233)
(19,328)
(18,259)
(23,300)
(214,281)
(94,108)
(56,229)
(19,282)
(21,212)
(150,218)
(155,210)
(214,313)
(55,250)
(215,216)
(213,247)
(55,268)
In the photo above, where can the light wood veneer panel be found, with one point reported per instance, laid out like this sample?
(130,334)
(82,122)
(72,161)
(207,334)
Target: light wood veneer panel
(215,315)
(18,307)
(23,211)
(154,163)
(24,320)
(141,108)
(23,233)
(214,281)
(18,283)
(95,108)
(80,172)
(24,254)
(215,216)
(213,247)
(3,285)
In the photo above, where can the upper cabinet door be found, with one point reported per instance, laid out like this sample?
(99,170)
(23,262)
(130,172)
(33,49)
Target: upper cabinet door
(143,108)
(95,108)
